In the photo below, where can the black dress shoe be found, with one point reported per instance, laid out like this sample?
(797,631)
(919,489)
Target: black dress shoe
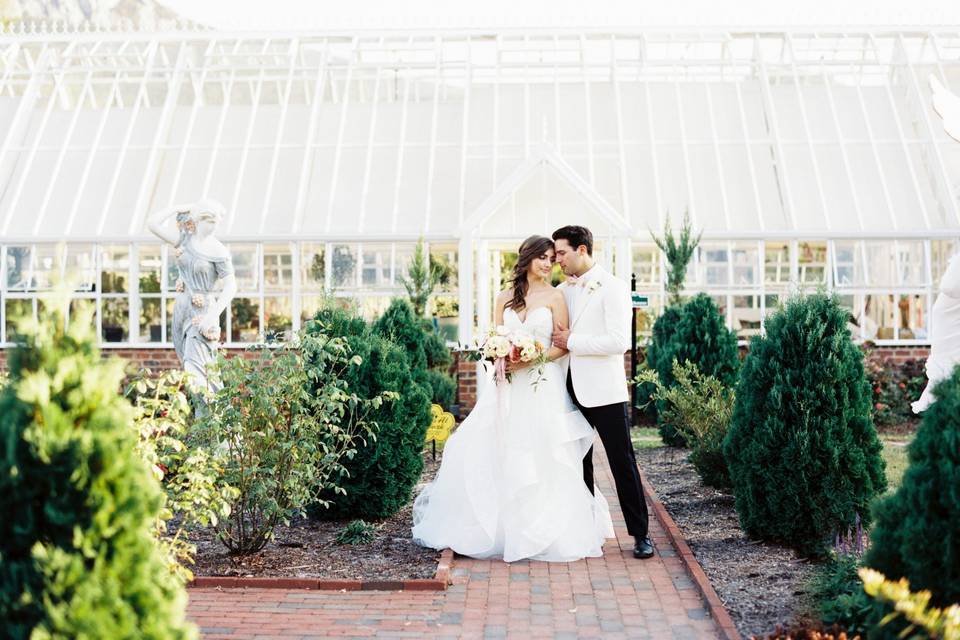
(643,548)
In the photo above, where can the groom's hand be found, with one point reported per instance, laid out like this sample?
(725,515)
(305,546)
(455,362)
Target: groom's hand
(560,336)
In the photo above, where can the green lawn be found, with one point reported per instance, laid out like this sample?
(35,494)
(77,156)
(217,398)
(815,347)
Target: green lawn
(895,456)
(894,451)
(645,438)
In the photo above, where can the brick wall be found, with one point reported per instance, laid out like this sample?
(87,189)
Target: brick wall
(154,359)
(158,359)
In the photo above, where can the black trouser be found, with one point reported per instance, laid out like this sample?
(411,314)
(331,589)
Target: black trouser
(613,425)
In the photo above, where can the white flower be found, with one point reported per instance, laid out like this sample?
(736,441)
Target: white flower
(198,300)
(179,286)
(593,285)
(211,333)
(178,251)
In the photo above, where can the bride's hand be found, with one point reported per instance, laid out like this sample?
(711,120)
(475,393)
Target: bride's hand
(516,366)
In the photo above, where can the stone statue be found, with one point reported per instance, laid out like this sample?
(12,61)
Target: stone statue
(202,261)
(945,317)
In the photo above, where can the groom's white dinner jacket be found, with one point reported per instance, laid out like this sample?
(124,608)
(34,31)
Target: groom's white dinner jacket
(599,306)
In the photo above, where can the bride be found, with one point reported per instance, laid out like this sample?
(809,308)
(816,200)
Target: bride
(511,482)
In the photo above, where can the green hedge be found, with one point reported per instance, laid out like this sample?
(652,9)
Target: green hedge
(917,530)
(381,476)
(696,333)
(802,451)
(78,556)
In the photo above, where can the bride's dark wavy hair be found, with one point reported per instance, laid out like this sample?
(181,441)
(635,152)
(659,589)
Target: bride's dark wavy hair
(532,247)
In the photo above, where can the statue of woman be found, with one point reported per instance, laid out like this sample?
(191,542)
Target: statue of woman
(945,334)
(202,261)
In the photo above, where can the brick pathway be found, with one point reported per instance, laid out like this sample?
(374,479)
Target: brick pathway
(614,596)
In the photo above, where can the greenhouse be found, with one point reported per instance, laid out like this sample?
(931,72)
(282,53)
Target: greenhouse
(809,160)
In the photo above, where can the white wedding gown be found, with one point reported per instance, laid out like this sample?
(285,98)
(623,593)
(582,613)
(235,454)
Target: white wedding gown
(511,481)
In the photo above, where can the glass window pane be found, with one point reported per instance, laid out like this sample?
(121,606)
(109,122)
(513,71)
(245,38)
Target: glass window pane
(82,310)
(812,261)
(746,316)
(646,266)
(372,307)
(911,270)
(173,271)
(244,320)
(745,265)
(114,315)
(879,317)
(115,261)
(277,268)
(713,265)
(881,268)
(312,267)
(246,265)
(18,267)
(776,262)
(150,320)
(344,266)
(848,264)
(46,261)
(278,319)
(150,269)
(941,252)
(446,254)
(309,305)
(170,304)
(81,264)
(376,269)
(14,310)
(912,317)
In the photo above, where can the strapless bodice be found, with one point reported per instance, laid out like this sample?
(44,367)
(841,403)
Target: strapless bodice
(538,323)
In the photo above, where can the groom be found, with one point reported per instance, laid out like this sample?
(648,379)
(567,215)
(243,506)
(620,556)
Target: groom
(598,336)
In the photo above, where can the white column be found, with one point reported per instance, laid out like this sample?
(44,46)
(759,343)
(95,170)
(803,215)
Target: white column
(465,286)
(484,294)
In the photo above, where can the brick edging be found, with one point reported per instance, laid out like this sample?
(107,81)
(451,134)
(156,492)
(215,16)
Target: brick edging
(439,582)
(718,612)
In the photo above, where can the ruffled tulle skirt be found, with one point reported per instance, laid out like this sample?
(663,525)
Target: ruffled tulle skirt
(510,484)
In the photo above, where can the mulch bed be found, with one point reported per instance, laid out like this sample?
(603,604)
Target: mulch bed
(308,549)
(761,585)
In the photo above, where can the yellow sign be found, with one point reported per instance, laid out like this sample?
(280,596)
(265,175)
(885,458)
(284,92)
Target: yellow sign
(442,425)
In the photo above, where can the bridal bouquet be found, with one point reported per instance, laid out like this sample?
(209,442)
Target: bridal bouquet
(501,346)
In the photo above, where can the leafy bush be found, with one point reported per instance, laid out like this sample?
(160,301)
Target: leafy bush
(286,428)
(912,610)
(917,531)
(811,631)
(660,334)
(379,479)
(190,475)
(895,386)
(434,347)
(803,454)
(399,324)
(443,388)
(696,333)
(838,592)
(78,557)
(424,274)
(698,408)
(356,532)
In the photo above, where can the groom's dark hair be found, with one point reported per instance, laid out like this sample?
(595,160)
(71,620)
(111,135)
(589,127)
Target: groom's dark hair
(575,236)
